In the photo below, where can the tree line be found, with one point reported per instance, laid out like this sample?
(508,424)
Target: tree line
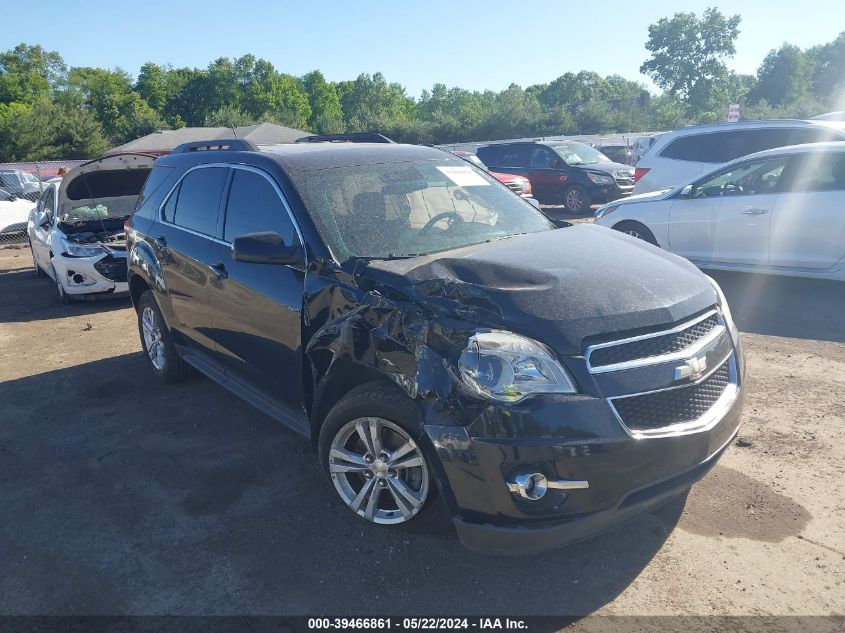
(49,110)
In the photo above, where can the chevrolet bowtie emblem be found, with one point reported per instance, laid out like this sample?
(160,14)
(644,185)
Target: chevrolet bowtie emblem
(693,368)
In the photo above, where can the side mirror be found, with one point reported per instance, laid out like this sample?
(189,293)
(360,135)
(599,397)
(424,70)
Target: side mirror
(265,248)
(40,219)
(686,192)
(559,224)
(534,203)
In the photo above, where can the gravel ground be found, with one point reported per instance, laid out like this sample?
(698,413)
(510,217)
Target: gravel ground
(121,496)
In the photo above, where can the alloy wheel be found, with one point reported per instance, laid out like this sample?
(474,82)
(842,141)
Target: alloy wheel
(152,338)
(635,233)
(378,470)
(574,201)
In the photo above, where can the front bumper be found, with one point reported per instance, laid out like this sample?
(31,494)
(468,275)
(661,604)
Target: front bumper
(571,438)
(611,193)
(100,274)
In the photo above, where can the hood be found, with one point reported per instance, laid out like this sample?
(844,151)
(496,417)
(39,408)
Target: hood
(660,194)
(112,181)
(558,287)
(608,168)
(504,178)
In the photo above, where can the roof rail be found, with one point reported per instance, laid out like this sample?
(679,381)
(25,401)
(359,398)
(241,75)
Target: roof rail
(220,144)
(357,137)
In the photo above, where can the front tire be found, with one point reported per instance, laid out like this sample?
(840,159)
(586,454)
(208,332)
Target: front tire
(157,343)
(371,451)
(635,229)
(64,297)
(577,199)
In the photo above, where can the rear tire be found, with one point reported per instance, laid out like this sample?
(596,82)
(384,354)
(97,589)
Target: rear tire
(164,361)
(577,199)
(382,407)
(635,229)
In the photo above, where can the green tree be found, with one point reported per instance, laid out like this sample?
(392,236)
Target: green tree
(372,104)
(784,76)
(688,56)
(326,112)
(123,114)
(28,73)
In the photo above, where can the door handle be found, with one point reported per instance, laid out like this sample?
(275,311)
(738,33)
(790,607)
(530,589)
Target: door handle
(754,211)
(219,271)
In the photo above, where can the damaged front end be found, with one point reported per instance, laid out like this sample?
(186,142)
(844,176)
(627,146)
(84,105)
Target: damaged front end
(541,414)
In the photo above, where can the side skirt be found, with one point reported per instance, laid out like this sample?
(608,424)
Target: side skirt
(295,420)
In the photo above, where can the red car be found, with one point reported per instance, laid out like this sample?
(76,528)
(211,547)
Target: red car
(518,184)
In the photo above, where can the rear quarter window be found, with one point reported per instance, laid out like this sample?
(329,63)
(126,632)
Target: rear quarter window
(488,155)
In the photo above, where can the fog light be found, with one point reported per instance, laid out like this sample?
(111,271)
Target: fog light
(532,486)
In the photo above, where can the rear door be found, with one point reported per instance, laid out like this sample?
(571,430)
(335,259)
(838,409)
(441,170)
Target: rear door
(727,216)
(808,221)
(256,309)
(182,238)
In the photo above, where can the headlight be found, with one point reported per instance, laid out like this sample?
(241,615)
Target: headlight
(605,210)
(526,187)
(508,367)
(600,179)
(80,250)
(722,303)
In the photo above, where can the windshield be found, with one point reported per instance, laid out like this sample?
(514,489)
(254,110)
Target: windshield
(574,153)
(412,208)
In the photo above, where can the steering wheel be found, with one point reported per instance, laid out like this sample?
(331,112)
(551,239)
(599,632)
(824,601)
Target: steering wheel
(441,216)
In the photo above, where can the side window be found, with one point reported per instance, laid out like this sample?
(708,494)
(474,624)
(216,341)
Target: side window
(254,206)
(540,158)
(199,200)
(514,156)
(747,179)
(47,201)
(820,172)
(170,206)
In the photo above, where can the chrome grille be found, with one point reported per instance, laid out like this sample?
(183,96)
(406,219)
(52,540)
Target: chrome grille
(679,405)
(653,345)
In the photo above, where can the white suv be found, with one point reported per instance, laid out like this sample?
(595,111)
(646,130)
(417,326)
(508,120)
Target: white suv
(681,156)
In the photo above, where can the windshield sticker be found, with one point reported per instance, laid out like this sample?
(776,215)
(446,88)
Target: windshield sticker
(463,176)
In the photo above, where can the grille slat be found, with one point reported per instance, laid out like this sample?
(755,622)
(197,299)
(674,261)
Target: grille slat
(654,346)
(675,406)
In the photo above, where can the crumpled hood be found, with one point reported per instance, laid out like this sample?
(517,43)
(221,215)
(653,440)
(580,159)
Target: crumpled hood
(558,287)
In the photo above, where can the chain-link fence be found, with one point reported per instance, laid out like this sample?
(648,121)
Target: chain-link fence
(21,185)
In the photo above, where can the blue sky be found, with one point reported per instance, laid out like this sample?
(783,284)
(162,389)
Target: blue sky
(466,43)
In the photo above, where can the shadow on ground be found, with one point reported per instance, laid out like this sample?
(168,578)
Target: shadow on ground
(30,298)
(785,306)
(122,496)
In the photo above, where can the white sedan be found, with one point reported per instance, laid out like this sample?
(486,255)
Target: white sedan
(76,229)
(13,212)
(778,211)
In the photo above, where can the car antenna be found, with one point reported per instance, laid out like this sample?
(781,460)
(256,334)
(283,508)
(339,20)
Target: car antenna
(234,131)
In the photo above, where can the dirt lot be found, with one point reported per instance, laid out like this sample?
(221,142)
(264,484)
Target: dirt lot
(118,495)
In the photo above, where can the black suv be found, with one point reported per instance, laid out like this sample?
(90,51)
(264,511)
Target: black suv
(562,172)
(448,354)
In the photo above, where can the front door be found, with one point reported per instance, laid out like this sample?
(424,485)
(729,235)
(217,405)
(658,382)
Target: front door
(256,309)
(727,216)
